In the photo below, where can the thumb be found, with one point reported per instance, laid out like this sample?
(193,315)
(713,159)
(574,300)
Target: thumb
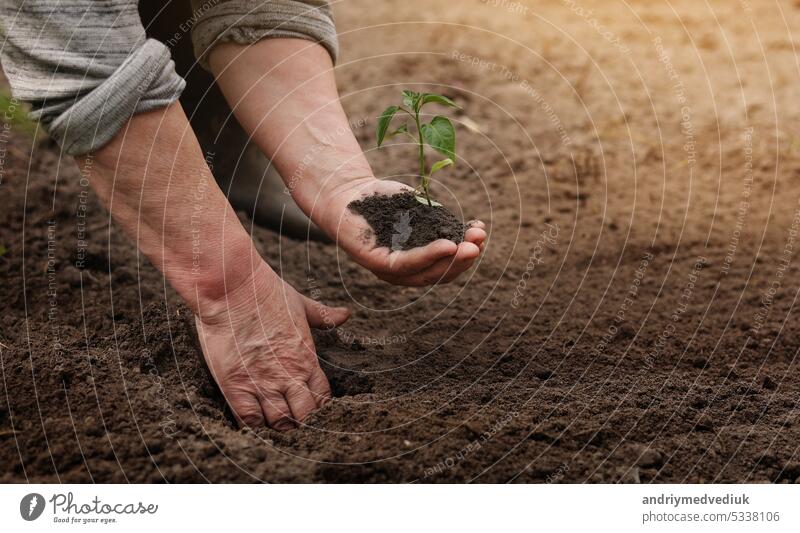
(324,317)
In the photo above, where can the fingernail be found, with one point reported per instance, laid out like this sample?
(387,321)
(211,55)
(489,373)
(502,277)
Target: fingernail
(283,424)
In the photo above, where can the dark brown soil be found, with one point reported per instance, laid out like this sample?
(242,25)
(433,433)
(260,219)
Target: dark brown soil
(401,222)
(633,318)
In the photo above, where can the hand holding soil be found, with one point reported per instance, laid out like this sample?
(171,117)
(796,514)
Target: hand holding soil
(408,238)
(440,261)
(290,109)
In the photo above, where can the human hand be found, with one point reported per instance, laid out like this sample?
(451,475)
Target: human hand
(284,95)
(441,261)
(257,343)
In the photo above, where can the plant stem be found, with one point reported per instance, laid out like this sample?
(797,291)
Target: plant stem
(422,174)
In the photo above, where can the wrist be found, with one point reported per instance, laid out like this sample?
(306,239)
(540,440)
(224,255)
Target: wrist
(317,197)
(218,301)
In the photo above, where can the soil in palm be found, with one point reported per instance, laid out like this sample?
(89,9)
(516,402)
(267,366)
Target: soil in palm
(402,222)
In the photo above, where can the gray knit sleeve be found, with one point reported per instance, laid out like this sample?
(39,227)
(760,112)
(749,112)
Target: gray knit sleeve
(85,66)
(248,21)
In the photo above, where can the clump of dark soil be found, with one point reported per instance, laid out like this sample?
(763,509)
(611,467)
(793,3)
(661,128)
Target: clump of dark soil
(401,222)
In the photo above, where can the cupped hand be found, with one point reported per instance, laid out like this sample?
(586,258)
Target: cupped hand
(258,346)
(438,262)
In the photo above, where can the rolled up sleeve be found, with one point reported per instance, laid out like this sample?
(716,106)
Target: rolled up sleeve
(248,21)
(85,66)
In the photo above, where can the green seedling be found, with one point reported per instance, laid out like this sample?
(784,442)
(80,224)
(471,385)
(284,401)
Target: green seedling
(439,134)
(15,114)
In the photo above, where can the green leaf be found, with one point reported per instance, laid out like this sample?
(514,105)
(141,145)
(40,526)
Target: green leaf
(383,122)
(441,164)
(410,99)
(423,200)
(398,131)
(441,136)
(437,99)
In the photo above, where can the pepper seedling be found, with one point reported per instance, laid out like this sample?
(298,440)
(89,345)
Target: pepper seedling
(439,134)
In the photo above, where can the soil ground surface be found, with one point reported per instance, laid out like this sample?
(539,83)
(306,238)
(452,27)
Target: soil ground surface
(632,319)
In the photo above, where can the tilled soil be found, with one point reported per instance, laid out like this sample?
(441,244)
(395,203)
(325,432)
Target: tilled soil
(632,318)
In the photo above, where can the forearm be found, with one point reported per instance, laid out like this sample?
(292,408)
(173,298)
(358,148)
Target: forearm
(154,180)
(284,94)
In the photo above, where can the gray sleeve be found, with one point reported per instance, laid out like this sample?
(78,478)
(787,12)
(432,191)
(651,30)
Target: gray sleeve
(85,66)
(248,21)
